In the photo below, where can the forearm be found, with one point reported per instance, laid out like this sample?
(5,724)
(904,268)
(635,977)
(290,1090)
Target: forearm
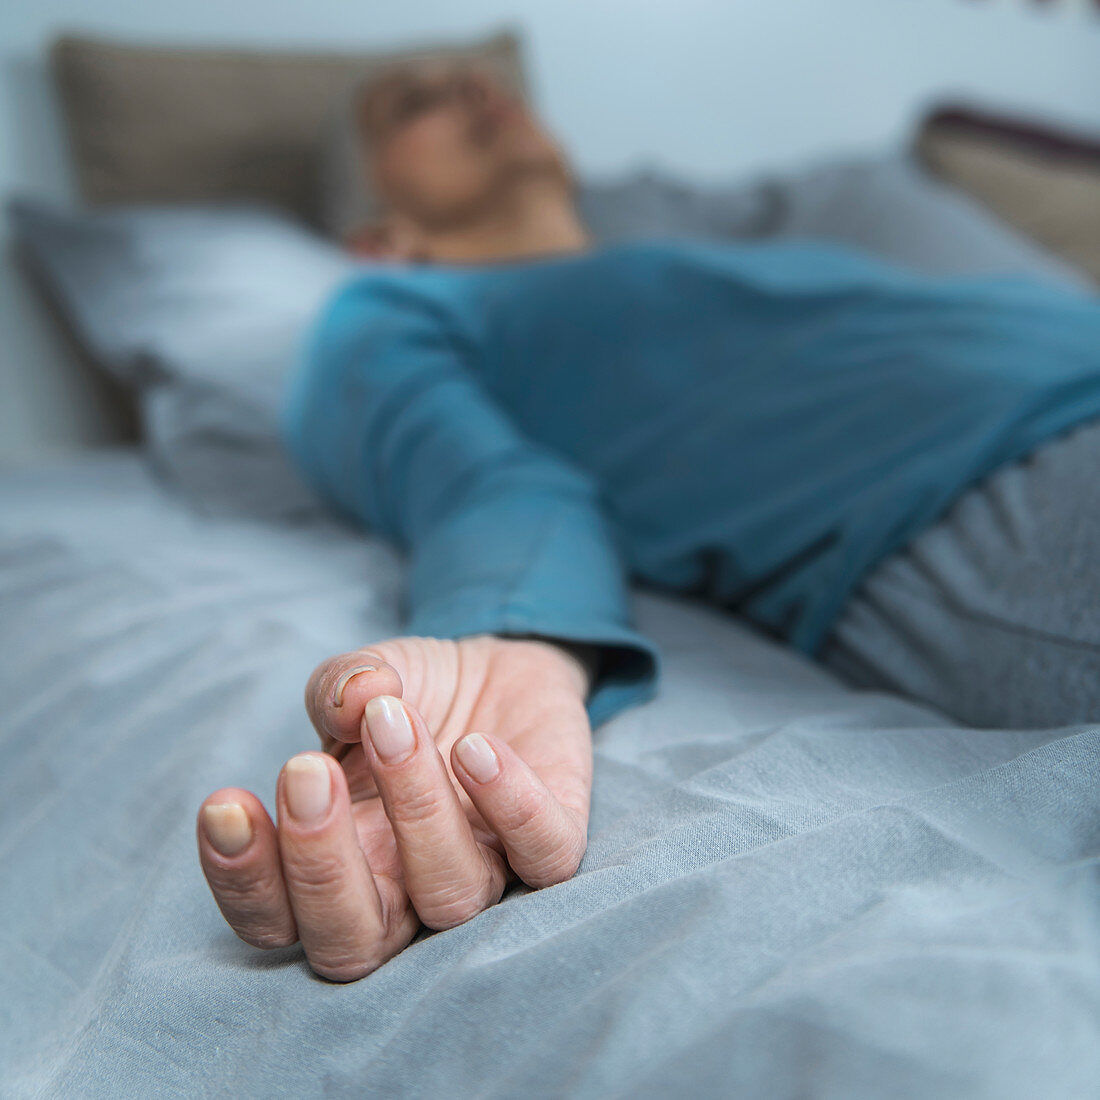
(527,564)
(504,536)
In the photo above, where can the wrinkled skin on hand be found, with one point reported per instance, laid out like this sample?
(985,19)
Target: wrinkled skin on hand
(366,851)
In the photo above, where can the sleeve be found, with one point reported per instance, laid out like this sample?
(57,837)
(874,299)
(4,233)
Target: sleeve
(503,536)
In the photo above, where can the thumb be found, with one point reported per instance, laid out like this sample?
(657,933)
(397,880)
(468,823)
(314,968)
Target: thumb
(340,687)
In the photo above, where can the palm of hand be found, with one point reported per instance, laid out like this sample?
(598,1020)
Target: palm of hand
(405,843)
(468,685)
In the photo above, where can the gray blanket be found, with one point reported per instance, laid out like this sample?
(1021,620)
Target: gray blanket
(791,889)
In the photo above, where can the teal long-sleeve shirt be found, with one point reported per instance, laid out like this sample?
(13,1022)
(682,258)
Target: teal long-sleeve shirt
(759,425)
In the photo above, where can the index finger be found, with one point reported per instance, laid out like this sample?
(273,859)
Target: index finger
(340,688)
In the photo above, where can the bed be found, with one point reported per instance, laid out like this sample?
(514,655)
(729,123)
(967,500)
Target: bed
(791,888)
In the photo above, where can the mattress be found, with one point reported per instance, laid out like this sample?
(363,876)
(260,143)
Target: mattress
(791,889)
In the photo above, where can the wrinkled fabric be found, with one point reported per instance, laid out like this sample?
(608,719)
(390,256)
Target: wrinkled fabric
(993,615)
(791,889)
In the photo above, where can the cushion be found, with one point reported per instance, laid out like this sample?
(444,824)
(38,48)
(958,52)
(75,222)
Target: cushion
(1044,182)
(169,125)
(888,205)
(894,208)
(202,311)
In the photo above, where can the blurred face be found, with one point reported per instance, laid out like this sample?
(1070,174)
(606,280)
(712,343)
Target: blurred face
(445,140)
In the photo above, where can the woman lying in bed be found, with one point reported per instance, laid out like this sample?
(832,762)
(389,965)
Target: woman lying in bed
(780,428)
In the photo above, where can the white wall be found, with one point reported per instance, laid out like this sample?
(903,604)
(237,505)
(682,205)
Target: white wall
(714,87)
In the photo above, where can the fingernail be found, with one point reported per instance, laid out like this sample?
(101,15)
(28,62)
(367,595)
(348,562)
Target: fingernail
(389,728)
(227,827)
(308,787)
(338,690)
(477,757)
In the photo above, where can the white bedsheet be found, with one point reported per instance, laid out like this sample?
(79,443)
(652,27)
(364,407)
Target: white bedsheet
(791,889)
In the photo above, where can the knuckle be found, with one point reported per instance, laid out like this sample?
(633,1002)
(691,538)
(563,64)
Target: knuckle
(551,874)
(344,970)
(320,873)
(450,915)
(560,866)
(521,816)
(248,885)
(268,939)
(442,913)
(415,803)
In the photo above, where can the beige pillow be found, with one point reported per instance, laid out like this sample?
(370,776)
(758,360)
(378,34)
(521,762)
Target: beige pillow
(1045,184)
(170,125)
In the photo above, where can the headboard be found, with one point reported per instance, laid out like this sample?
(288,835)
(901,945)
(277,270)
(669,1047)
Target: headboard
(158,124)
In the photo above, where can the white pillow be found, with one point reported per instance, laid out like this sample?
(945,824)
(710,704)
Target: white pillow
(204,311)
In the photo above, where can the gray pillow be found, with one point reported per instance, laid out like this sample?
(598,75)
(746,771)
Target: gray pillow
(894,208)
(886,205)
(203,311)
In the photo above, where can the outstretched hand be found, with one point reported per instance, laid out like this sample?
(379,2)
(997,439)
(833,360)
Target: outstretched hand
(450,768)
